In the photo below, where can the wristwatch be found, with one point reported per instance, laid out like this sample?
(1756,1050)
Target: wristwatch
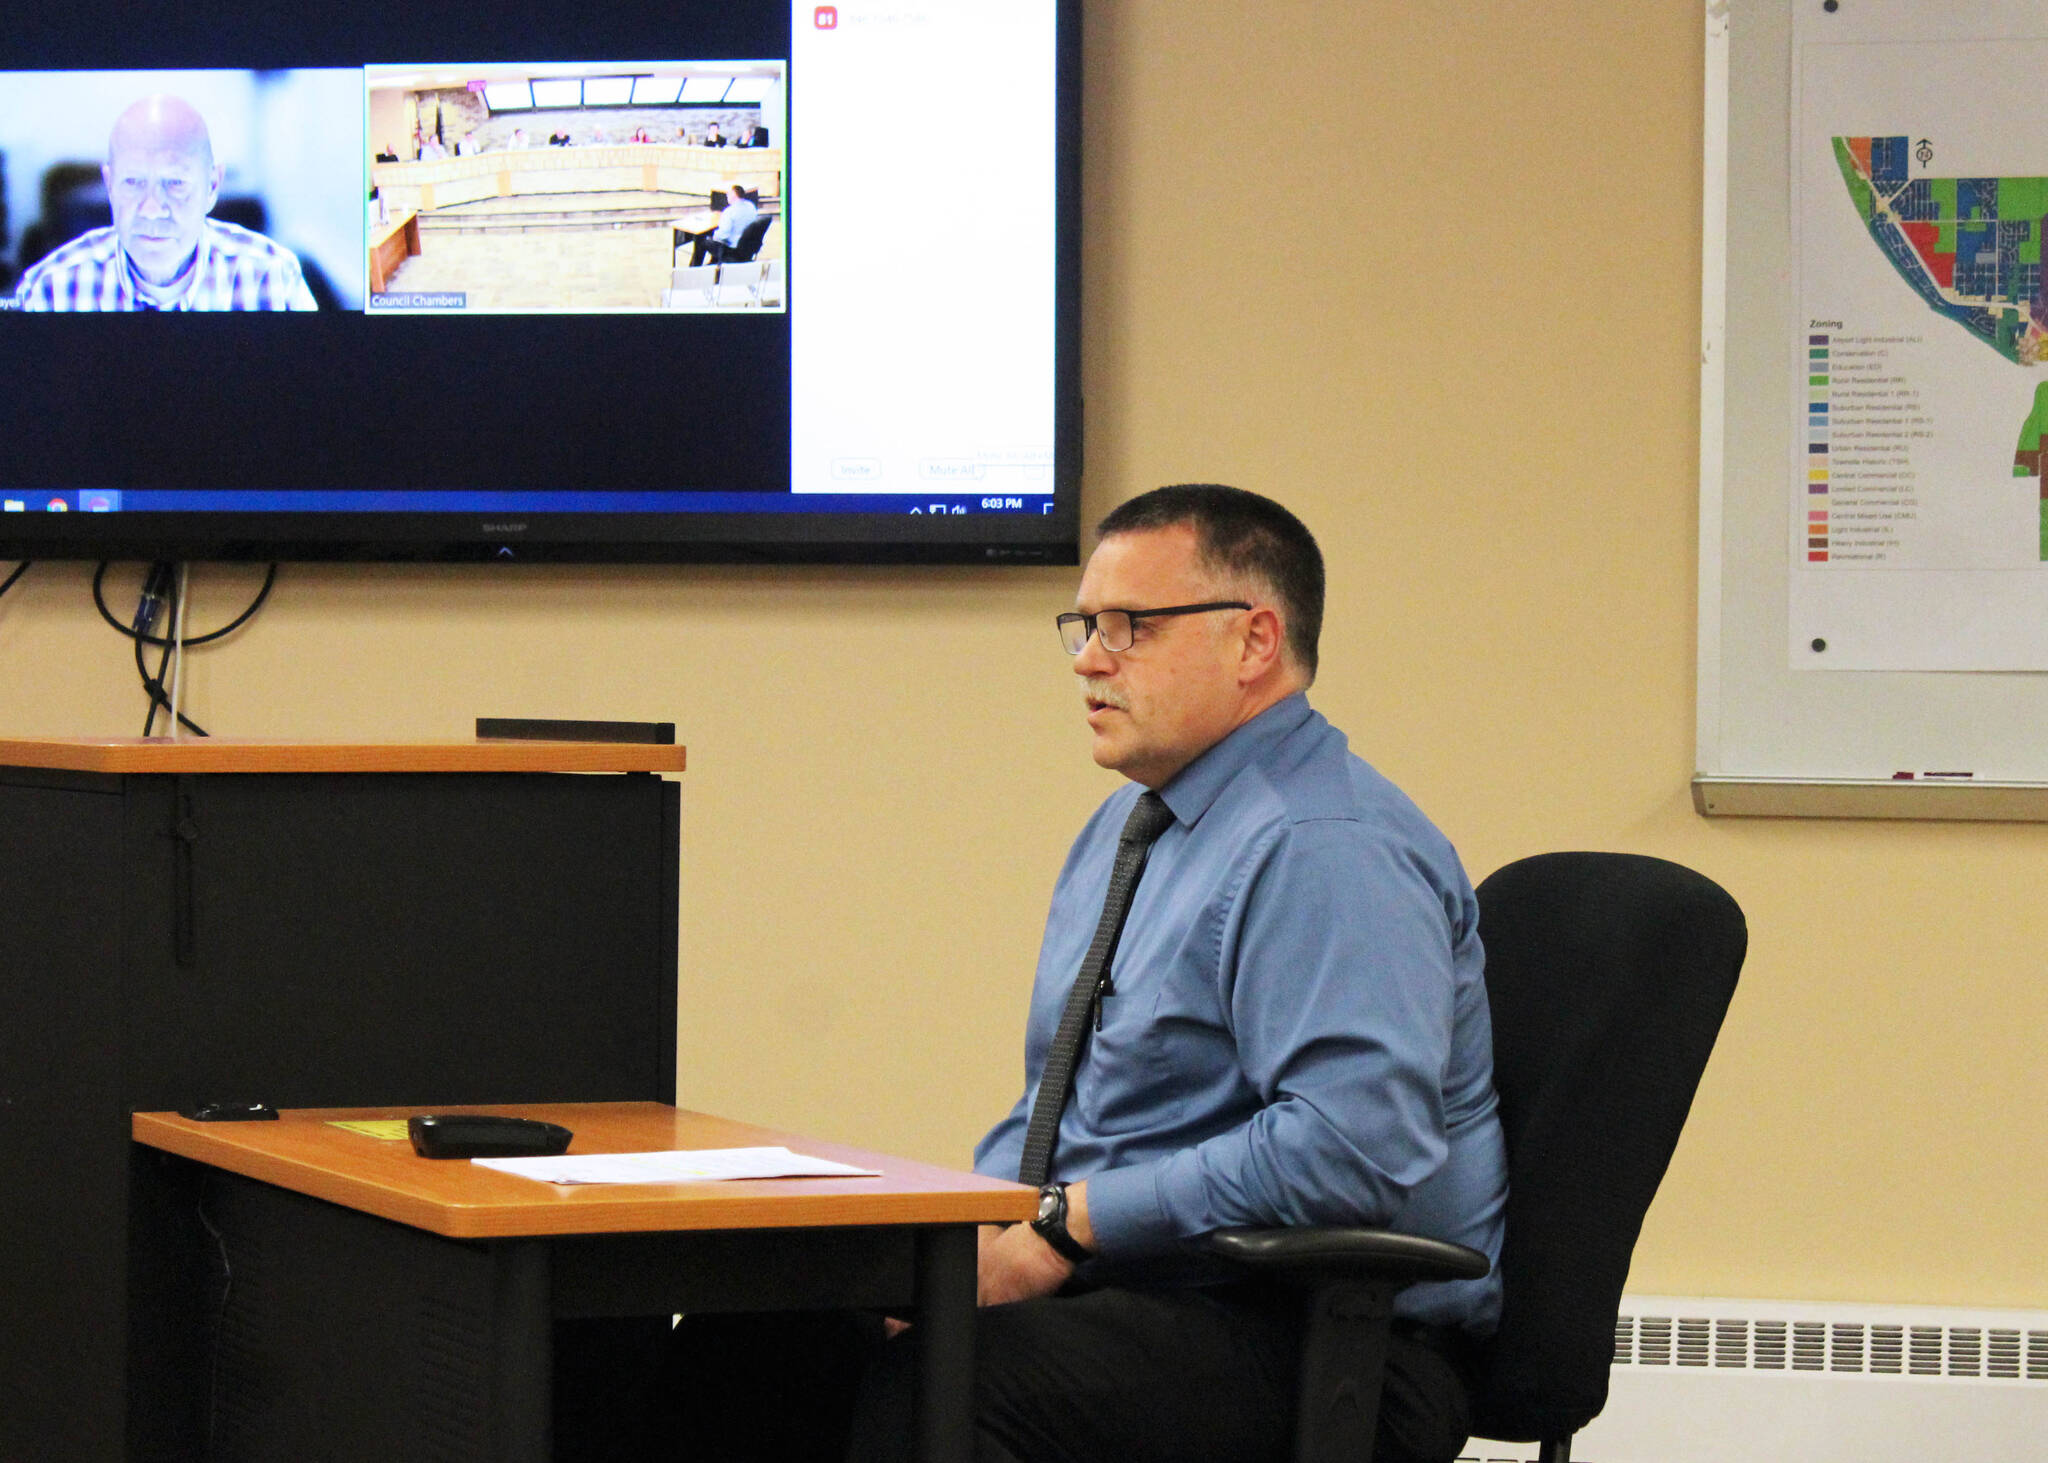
(1051,1224)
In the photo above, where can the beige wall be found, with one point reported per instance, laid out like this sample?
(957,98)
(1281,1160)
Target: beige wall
(389,127)
(1430,274)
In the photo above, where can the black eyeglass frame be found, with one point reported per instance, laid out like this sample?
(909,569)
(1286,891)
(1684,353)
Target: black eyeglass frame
(1090,627)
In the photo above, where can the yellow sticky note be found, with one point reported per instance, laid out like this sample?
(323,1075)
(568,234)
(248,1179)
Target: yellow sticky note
(389,1129)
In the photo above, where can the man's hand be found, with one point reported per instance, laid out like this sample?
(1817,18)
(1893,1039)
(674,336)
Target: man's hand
(1015,1264)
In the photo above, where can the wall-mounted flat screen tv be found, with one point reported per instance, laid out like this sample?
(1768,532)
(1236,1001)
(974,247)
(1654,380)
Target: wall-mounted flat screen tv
(652,279)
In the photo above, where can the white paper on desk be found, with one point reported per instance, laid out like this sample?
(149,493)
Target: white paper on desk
(679,1166)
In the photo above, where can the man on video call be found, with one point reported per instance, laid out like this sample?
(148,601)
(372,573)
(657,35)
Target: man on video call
(1289,1026)
(162,251)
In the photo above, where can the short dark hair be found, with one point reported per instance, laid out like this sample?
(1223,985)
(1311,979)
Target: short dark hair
(1242,535)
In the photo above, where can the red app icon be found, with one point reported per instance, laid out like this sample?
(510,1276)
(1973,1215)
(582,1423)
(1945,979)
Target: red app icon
(826,17)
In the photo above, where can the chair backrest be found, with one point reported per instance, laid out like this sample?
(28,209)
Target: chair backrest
(749,242)
(698,279)
(1608,975)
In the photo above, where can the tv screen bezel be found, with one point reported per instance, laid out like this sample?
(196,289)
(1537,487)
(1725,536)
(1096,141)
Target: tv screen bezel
(827,537)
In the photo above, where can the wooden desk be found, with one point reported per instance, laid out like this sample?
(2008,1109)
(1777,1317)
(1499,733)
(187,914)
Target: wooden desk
(390,247)
(364,1268)
(259,755)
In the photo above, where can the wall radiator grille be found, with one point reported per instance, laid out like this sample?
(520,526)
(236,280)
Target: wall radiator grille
(1732,1381)
(1886,1348)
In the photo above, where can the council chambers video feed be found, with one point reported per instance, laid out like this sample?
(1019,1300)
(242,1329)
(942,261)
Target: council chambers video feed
(629,187)
(186,190)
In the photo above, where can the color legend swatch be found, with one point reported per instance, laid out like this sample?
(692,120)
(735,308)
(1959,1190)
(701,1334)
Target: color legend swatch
(1816,449)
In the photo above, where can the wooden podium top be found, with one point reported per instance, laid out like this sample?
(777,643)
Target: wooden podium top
(244,754)
(301,1151)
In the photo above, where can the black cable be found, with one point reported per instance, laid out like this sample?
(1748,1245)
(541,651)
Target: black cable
(159,597)
(21,569)
(158,696)
(149,688)
(148,604)
(99,598)
(159,587)
(220,1317)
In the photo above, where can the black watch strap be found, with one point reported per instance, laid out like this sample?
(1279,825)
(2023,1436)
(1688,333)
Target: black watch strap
(1051,1224)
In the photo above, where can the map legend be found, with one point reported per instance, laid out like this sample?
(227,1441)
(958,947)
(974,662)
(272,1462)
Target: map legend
(1864,423)
(1817,449)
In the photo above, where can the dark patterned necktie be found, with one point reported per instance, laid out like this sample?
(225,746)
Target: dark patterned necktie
(1149,818)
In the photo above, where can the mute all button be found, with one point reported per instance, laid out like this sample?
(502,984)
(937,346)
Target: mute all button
(857,469)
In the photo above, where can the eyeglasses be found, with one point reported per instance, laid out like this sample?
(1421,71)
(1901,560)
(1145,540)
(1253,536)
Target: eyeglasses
(1116,627)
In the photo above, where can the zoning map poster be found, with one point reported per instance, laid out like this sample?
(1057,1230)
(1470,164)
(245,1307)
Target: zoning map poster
(1917,516)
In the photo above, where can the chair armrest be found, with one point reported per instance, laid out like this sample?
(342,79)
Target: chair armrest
(1330,1250)
(1348,1279)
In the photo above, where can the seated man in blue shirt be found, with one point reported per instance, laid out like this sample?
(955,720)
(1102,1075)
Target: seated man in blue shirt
(1292,1030)
(1293,1027)
(741,209)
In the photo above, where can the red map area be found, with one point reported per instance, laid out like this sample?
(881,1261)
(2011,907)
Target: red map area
(1923,236)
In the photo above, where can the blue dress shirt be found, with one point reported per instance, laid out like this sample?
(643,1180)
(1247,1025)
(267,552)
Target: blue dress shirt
(1299,1031)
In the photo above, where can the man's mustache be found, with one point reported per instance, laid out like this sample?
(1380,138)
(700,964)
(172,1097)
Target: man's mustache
(1106,693)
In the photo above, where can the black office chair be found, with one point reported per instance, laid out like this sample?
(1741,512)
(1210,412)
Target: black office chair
(74,201)
(1608,975)
(748,244)
(251,212)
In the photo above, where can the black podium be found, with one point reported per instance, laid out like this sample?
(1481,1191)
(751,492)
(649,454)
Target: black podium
(307,925)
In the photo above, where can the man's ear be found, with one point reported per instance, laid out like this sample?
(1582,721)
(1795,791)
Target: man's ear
(1265,643)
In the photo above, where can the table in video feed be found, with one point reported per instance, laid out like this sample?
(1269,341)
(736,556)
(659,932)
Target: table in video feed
(391,244)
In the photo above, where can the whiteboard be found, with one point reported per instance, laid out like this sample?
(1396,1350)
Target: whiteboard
(1776,737)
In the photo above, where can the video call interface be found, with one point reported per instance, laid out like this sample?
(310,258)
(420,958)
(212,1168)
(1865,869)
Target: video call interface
(529,248)
(481,186)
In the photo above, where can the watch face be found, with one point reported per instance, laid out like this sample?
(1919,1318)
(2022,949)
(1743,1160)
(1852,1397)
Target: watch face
(1048,1204)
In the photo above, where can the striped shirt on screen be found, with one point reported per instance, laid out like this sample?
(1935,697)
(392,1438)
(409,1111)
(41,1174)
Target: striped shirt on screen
(236,269)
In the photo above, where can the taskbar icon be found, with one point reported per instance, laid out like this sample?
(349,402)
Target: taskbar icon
(90,501)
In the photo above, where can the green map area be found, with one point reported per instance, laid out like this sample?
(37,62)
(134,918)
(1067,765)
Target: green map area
(2030,452)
